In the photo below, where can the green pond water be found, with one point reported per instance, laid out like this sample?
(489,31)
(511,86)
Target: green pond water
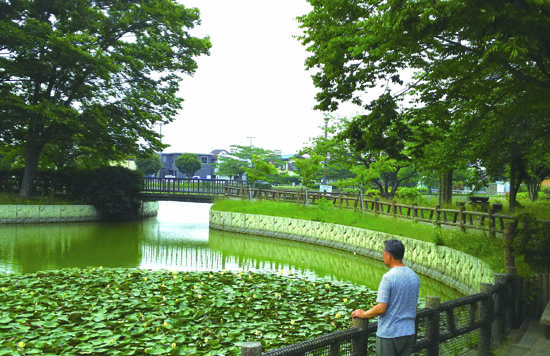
(179,239)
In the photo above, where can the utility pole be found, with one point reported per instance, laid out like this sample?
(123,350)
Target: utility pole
(250,138)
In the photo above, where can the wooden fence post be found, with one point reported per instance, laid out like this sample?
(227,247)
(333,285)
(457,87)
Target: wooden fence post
(501,300)
(491,223)
(393,208)
(432,326)
(461,218)
(509,233)
(376,205)
(360,345)
(251,349)
(437,215)
(415,211)
(515,296)
(486,315)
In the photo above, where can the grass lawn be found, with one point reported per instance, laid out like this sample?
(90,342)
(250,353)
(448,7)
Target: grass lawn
(475,243)
(15,199)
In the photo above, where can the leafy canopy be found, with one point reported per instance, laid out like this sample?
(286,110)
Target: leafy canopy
(188,163)
(479,75)
(91,79)
(150,164)
(240,159)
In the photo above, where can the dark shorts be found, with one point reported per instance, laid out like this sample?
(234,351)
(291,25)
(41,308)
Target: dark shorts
(399,346)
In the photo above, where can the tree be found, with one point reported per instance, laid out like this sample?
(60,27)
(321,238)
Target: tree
(188,163)
(150,164)
(91,77)
(259,169)
(480,68)
(362,142)
(240,158)
(309,169)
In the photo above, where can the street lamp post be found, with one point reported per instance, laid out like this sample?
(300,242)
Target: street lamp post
(327,117)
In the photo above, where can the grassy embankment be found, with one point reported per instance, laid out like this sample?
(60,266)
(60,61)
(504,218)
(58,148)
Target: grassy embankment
(475,243)
(15,199)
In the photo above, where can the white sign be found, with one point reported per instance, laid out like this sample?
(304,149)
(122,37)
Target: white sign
(325,188)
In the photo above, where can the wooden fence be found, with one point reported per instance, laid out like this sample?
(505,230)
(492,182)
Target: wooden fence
(472,325)
(488,221)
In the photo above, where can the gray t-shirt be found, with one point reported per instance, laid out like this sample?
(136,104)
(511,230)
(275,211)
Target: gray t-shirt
(398,288)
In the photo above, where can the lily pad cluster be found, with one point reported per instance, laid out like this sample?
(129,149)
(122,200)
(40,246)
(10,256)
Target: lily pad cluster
(137,312)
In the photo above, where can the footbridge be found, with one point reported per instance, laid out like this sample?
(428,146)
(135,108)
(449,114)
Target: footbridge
(186,189)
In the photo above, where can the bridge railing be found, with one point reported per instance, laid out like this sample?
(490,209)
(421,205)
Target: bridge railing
(211,187)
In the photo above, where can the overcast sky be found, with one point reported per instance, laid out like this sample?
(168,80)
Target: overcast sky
(253,84)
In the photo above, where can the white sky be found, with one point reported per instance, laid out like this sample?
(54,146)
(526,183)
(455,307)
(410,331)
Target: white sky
(253,84)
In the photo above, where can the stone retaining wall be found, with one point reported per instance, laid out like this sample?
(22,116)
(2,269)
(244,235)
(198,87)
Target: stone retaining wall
(24,214)
(453,268)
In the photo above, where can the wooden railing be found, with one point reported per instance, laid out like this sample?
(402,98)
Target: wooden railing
(488,221)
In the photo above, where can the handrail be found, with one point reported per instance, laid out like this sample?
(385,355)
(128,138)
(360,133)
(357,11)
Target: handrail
(492,313)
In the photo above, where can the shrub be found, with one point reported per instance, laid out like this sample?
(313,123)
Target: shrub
(407,193)
(422,190)
(114,191)
(532,241)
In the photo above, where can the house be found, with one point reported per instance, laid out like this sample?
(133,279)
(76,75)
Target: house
(288,164)
(169,168)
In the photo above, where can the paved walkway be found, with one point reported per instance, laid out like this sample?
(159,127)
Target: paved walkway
(527,340)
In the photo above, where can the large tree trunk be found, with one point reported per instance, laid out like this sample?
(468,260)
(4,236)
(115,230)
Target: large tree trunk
(32,156)
(446,188)
(516,174)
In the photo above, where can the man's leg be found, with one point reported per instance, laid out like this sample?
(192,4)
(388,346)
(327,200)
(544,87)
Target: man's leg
(403,345)
(400,346)
(385,347)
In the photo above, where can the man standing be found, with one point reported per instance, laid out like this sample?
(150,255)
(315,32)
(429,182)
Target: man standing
(396,304)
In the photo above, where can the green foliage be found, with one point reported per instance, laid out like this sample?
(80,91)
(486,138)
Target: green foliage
(422,190)
(149,165)
(240,159)
(408,194)
(260,169)
(114,191)
(437,238)
(309,169)
(88,81)
(532,241)
(188,163)
(478,94)
(284,179)
(129,311)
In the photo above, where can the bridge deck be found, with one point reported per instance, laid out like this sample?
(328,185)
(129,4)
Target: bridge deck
(185,189)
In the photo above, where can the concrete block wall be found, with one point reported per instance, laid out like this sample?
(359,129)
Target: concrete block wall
(24,214)
(453,268)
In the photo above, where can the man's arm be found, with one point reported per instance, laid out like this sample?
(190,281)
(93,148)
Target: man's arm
(373,312)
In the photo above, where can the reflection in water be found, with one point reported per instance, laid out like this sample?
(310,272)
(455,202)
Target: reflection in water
(268,254)
(30,248)
(179,239)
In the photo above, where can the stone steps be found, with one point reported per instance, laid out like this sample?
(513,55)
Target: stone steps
(527,340)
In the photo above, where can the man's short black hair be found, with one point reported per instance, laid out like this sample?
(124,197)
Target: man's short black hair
(395,248)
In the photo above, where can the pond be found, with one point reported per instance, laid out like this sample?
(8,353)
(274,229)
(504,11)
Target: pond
(179,239)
